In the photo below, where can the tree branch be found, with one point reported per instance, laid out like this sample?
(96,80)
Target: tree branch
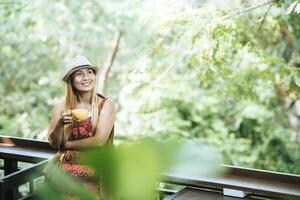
(109,62)
(264,18)
(246,10)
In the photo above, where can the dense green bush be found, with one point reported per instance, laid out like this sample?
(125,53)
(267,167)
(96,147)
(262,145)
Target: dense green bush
(227,73)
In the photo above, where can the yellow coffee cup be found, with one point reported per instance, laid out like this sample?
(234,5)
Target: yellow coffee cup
(80,114)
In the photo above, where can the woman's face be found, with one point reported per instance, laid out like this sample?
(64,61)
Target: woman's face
(84,80)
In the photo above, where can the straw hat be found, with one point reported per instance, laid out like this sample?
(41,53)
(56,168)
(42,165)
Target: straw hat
(77,63)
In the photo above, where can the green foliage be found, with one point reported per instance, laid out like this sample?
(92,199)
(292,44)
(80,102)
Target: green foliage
(221,80)
(185,69)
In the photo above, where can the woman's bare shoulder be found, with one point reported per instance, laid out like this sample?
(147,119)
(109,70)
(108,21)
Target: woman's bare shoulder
(109,105)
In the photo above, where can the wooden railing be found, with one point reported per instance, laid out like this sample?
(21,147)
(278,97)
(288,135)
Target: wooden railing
(14,150)
(241,182)
(238,181)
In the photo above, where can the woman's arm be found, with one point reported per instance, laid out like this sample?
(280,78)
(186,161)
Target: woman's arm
(104,126)
(56,129)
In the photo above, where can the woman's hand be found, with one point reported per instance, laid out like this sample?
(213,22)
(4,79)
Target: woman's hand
(66,117)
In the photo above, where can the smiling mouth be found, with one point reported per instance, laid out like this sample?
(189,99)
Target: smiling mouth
(86,84)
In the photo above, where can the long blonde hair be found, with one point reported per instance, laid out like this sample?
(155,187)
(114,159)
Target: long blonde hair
(71,100)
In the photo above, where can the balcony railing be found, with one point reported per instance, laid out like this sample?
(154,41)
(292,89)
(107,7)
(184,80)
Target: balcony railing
(238,182)
(15,150)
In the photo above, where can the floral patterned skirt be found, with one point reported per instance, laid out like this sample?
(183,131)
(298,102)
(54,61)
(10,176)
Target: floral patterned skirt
(69,161)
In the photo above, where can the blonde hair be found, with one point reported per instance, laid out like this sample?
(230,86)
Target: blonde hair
(71,100)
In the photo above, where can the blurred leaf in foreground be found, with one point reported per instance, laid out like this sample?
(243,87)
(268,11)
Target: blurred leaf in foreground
(60,185)
(131,171)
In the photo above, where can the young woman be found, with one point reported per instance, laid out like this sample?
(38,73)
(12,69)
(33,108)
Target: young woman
(70,134)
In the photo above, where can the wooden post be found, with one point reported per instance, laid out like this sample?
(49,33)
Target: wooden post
(2,191)
(10,166)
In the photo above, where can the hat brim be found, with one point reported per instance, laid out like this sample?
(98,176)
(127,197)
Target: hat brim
(69,73)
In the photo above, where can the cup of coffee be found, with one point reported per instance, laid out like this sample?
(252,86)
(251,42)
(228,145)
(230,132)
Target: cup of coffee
(80,114)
